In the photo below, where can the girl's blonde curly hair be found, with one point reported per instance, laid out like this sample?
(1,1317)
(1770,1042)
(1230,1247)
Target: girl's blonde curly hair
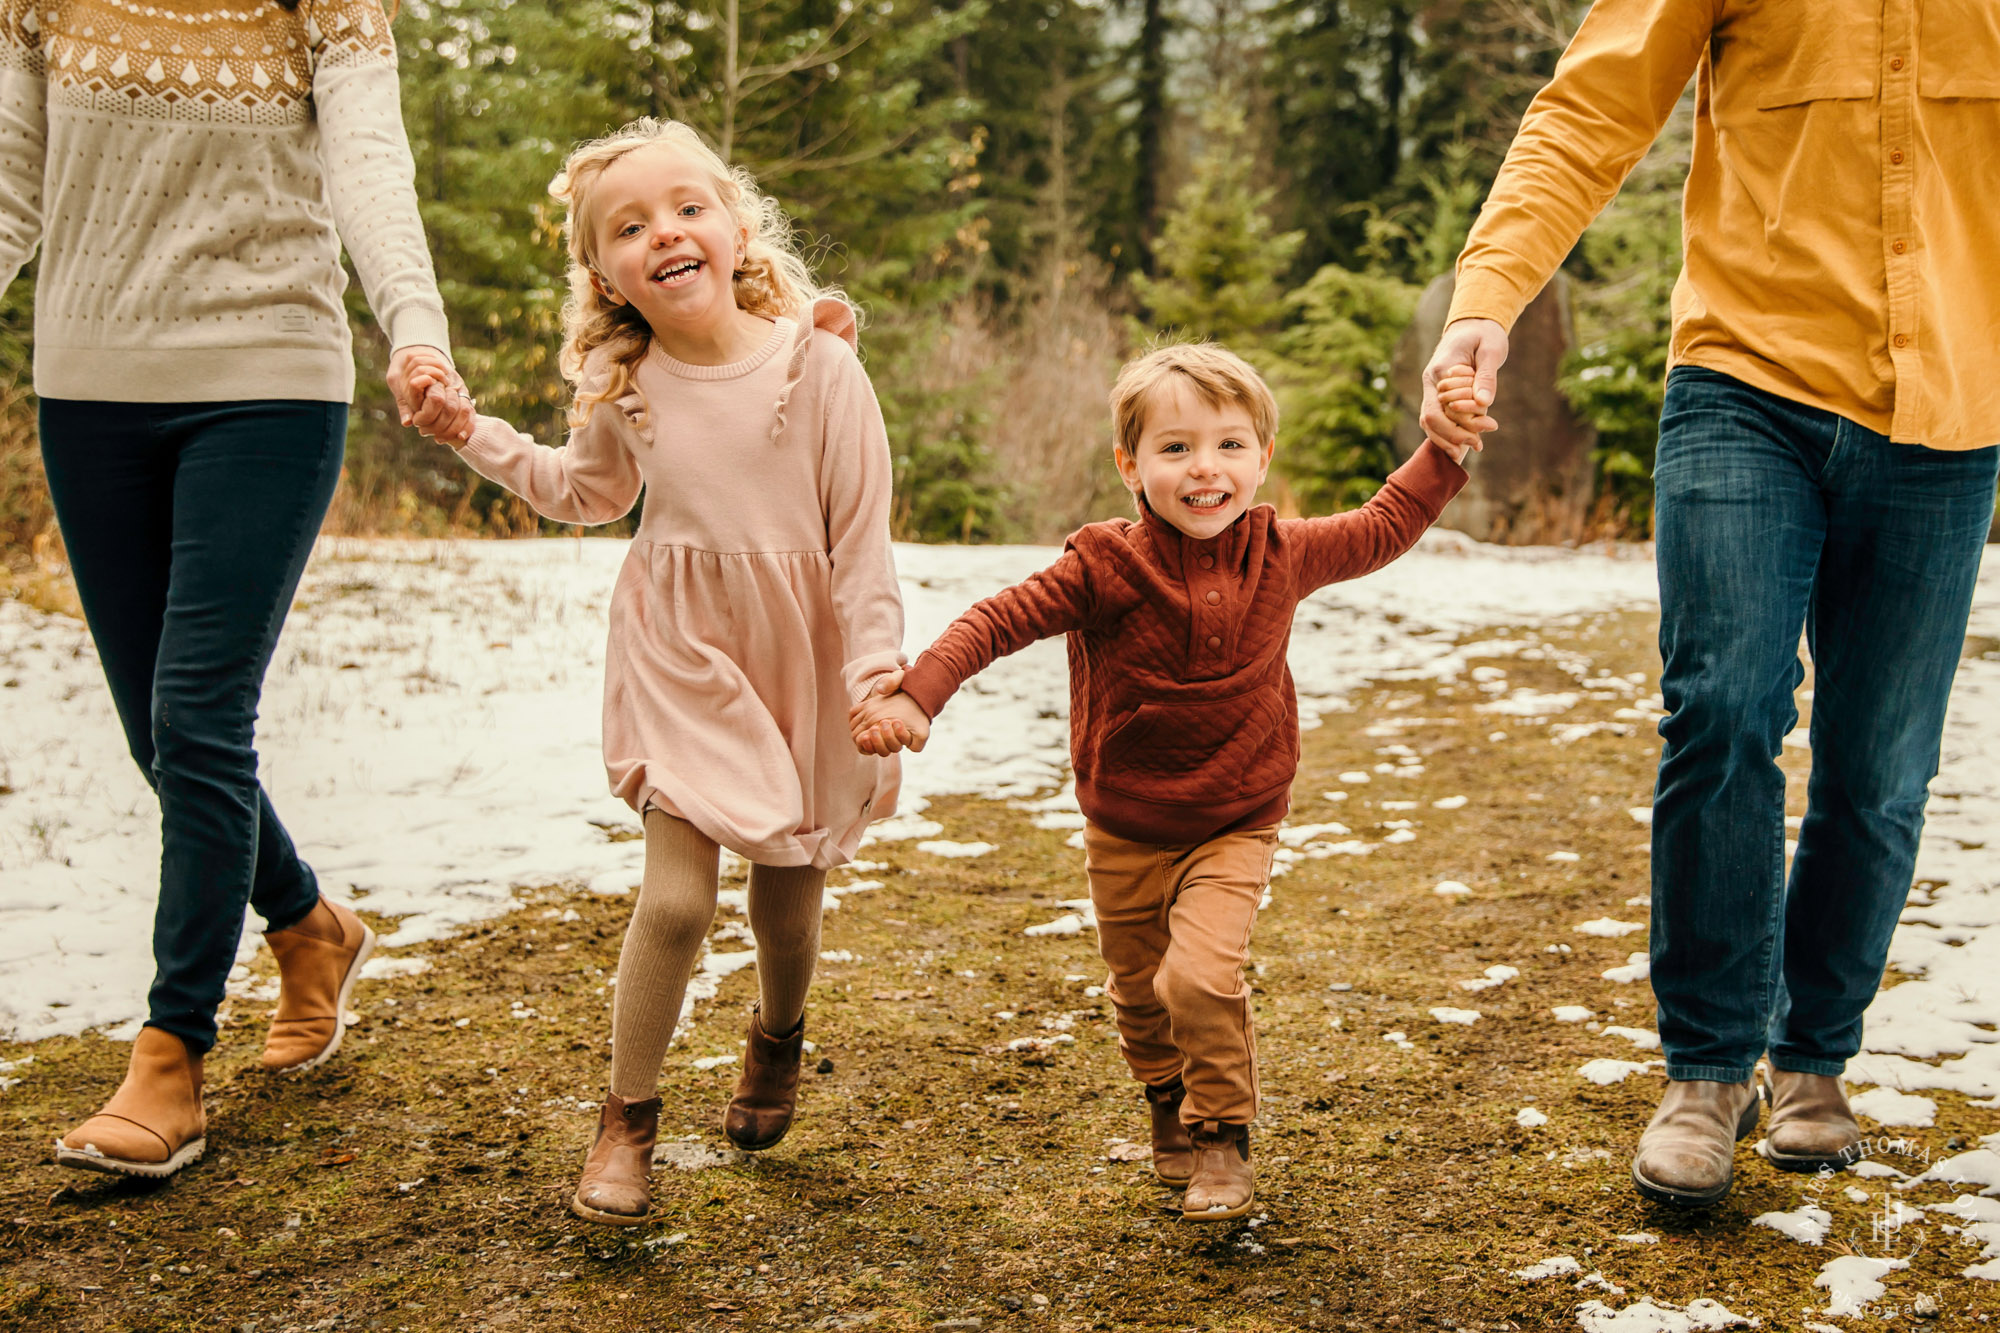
(773,280)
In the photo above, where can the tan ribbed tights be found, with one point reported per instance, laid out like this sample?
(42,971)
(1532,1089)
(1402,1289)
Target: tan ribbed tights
(669,922)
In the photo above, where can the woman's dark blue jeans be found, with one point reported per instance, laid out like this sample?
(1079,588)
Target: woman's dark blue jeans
(188,526)
(1773,517)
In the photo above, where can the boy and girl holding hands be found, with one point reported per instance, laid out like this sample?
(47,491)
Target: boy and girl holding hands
(755,690)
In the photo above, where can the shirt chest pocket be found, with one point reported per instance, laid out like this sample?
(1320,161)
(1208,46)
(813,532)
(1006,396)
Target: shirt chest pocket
(1958,51)
(1799,51)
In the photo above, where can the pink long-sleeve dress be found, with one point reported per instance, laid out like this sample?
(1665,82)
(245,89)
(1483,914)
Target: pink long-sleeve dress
(759,599)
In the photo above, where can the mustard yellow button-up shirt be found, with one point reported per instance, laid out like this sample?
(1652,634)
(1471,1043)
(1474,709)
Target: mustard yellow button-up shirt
(1841,228)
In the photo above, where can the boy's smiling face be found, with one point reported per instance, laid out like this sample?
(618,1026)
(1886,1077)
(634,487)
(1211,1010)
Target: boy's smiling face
(1197,465)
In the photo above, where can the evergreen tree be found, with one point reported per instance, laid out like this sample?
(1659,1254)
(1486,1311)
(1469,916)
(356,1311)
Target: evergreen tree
(1336,140)
(1130,149)
(1032,71)
(1219,259)
(1330,369)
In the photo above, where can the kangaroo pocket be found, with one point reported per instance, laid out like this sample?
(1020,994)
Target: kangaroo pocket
(1214,750)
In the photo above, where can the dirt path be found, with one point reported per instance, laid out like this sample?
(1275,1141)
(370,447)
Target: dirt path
(939,1179)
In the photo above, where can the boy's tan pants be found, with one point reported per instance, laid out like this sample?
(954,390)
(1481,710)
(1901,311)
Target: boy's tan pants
(1173,923)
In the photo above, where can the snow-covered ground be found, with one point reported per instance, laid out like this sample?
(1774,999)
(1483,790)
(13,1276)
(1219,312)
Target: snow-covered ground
(430,734)
(431,720)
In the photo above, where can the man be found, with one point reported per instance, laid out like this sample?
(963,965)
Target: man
(1826,462)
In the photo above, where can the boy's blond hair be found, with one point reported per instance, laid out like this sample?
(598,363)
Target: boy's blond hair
(1218,375)
(773,281)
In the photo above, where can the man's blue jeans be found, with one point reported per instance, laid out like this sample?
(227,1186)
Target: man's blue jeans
(188,526)
(1772,516)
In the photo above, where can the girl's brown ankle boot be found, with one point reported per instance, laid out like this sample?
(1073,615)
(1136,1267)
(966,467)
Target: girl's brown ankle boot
(768,1092)
(616,1188)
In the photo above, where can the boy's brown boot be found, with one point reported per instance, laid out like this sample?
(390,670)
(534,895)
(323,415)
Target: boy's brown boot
(1222,1186)
(319,960)
(616,1188)
(153,1125)
(1173,1153)
(768,1092)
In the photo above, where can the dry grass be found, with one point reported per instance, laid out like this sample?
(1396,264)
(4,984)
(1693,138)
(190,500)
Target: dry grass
(934,1176)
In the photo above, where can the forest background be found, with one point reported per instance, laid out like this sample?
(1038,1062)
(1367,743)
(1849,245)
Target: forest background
(1017,193)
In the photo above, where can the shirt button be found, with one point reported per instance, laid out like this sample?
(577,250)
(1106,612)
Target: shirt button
(1214,597)
(1899,247)
(1897,63)
(1896,157)
(1208,562)
(1214,642)
(1902,340)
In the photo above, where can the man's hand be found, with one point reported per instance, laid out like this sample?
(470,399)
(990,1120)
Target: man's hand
(888,720)
(1456,388)
(1478,344)
(446,411)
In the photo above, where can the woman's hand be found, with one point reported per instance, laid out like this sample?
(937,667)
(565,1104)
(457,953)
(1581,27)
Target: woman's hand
(429,393)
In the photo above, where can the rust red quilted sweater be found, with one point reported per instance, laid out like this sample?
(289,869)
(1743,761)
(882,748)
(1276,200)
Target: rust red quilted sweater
(1182,718)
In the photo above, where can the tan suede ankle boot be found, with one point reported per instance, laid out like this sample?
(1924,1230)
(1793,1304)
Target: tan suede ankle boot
(1173,1152)
(616,1187)
(1811,1124)
(767,1093)
(1687,1155)
(153,1125)
(1222,1186)
(319,960)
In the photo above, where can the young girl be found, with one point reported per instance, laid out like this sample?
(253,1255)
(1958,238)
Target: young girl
(758,602)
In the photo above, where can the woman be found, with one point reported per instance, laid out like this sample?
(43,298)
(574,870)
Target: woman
(190,172)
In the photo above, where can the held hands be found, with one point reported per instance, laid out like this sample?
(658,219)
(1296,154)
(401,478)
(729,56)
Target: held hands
(888,720)
(429,394)
(1470,354)
(1458,396)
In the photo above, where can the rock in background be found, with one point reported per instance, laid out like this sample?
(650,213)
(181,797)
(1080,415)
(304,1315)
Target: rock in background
(1533,482)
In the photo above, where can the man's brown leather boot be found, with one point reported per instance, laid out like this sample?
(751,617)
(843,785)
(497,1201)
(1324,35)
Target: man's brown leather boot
(1173,1151)
(319,960)
(616,1188)
(1222,1187)
(767,1093)
(1687,1156)
(153,1125)
(1811,1123)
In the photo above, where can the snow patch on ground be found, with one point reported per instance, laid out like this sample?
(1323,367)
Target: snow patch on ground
(1606,1072)
(1886,1106)
(1852,1281)
(1806,1224)
(1561,1264)
(1649,1317)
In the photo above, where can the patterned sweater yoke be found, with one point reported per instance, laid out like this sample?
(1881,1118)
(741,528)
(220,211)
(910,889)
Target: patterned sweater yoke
(190,172)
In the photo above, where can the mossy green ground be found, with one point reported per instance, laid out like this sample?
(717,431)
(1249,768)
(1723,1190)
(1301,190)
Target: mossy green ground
(935,1178)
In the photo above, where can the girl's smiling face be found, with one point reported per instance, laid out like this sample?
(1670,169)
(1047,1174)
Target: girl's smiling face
(1198,465)
(666,243)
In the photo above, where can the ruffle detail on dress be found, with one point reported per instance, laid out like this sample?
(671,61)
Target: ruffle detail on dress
(830,314)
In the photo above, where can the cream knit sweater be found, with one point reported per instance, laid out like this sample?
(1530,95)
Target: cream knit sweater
(190,171)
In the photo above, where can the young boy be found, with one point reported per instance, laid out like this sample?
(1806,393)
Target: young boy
(1184,727)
